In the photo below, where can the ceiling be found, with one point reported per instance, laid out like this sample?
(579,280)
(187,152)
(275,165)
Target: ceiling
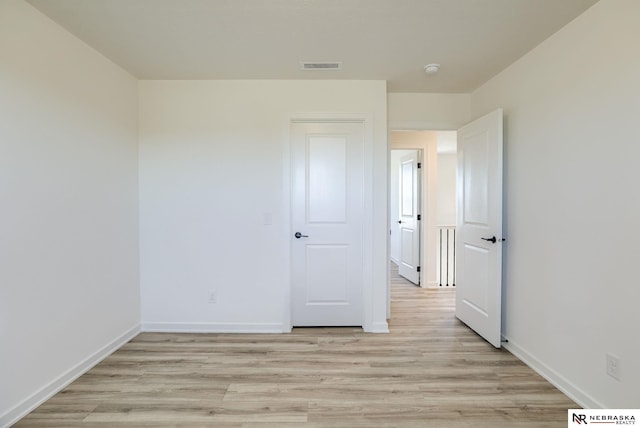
(266,39)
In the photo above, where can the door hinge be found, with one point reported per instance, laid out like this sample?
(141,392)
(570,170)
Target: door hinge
(419,165)
(418,268)
(419,217)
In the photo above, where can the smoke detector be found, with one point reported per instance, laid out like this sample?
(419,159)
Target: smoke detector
(431,68)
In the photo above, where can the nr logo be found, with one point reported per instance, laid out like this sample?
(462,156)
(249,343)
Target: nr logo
(579,419)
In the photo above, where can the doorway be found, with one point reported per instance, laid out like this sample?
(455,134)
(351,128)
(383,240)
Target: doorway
(327,216)
(405,207)
(478,219)
(437,203)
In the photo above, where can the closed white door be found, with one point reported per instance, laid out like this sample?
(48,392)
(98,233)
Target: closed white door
(409,266)
(327,230)
(479,227)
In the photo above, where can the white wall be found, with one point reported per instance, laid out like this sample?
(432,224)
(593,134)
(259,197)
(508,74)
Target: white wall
(572,145)
(428,112)
(446,203)
(212,159)
(68,192)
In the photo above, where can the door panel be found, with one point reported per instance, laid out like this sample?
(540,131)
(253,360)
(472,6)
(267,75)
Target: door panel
(327,186)
(327,278)
(409,224)
(476,178)
(327,209)
(479,260)
(406,189)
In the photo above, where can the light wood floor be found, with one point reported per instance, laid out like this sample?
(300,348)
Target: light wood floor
(430,371)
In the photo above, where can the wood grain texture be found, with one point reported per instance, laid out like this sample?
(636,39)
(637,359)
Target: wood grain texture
(430,371)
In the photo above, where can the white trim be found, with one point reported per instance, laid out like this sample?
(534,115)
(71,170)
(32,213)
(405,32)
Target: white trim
(62,381)
(368,294)
(368,263)
(556,379)
(378,327)
(423,126)
(312,117)
(286,220)
(435,285)
(213,327)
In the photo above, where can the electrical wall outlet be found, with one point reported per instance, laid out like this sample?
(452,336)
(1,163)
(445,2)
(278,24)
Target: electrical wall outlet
(213,296)
(613,366)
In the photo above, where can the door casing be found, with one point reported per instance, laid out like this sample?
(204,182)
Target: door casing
(367,239)
(410,269)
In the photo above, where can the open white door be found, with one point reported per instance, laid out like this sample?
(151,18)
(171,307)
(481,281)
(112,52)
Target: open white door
(479,226)
(327,219)
(409,266)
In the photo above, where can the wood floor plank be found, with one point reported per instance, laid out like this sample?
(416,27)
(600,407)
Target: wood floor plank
(430,370)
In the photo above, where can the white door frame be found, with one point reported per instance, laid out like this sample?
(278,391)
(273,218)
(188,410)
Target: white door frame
(426,223)
(367,238)
(418,126)
(420,182)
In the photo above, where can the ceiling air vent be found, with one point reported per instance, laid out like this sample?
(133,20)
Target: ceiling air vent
(320,65)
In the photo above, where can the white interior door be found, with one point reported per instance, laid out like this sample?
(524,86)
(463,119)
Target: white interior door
(327,222)
(479,226)
(409,225)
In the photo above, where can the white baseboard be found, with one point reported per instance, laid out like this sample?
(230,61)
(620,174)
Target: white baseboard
(555,378)
(378,327)
(62,381)
(436,284)
(205,327)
